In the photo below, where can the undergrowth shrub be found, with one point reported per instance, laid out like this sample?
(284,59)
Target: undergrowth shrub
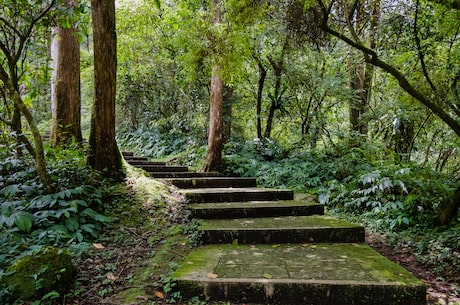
(359,180)
(31,219)
(395,197)
(157,141)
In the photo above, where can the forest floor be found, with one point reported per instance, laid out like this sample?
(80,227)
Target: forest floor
(439,292)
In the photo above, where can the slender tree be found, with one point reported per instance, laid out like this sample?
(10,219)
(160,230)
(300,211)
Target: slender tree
(17,24)
(361,74)
(216,117)
(104,154)
(65,83)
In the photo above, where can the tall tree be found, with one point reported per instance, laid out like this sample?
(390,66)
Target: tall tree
(213,160)
(65,83)
(260,89)
(18,20)
(276,97)
(104,154)
(361,74)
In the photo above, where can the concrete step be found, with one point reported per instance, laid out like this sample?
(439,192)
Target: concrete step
(285,229)
(308,274)
(255,209)
(146,163)
(127,153)
(169,175)
(213,182)
(135,158)
(235,194)
(161,168)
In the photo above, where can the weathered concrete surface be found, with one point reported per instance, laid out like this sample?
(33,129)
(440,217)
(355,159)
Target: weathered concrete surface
(168,175)
(211,182)
(326,274)
(235,194)
(286,229)
(141,163)
(245,209)
(152,168)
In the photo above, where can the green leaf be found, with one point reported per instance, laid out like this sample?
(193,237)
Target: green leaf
(79,237)
(51,295)
(95,215)
(24,221)
(10,190)
(72,224)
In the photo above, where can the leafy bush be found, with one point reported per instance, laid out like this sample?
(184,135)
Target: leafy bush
(358,180)
(31,219)
(394,197)
(157,141)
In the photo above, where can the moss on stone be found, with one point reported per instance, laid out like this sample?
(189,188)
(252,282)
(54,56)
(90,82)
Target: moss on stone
(37,274)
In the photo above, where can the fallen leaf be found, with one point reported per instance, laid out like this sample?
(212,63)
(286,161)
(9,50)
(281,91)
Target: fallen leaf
(159,294)
(98,246)
(111,277)
(212,275)
(276,246)
(268,276)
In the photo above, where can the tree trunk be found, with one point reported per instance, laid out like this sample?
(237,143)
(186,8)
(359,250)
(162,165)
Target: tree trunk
(39,156)
(262,76)
(362,73)
(214,154)
(213,160)
(450,211)
(276,100)
(269,124)
(227,112)
(65,86)
(104,155)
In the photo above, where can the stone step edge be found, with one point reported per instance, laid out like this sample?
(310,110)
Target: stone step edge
(204,195)
(252,209)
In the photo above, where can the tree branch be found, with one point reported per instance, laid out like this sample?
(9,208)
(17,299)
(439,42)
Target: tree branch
(421,56)
(371,57)
(26,35)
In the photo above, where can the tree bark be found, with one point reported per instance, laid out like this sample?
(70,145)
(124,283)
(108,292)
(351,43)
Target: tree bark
(276,100)
(65,86)
(104,154)
(362,73)
(227,113)
(39,156)
(214,155)
(213,160)
(260,89)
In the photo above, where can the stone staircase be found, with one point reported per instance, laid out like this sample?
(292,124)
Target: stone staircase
(265,246)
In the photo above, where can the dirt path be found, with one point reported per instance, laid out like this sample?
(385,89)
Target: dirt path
(439,293)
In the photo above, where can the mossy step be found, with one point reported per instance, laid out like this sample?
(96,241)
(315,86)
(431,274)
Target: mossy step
(235,194)
(285,229)
(162,169)
(168,175)
(135,158)
(255,209)
(211,182)
(308,274)
(141,163)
